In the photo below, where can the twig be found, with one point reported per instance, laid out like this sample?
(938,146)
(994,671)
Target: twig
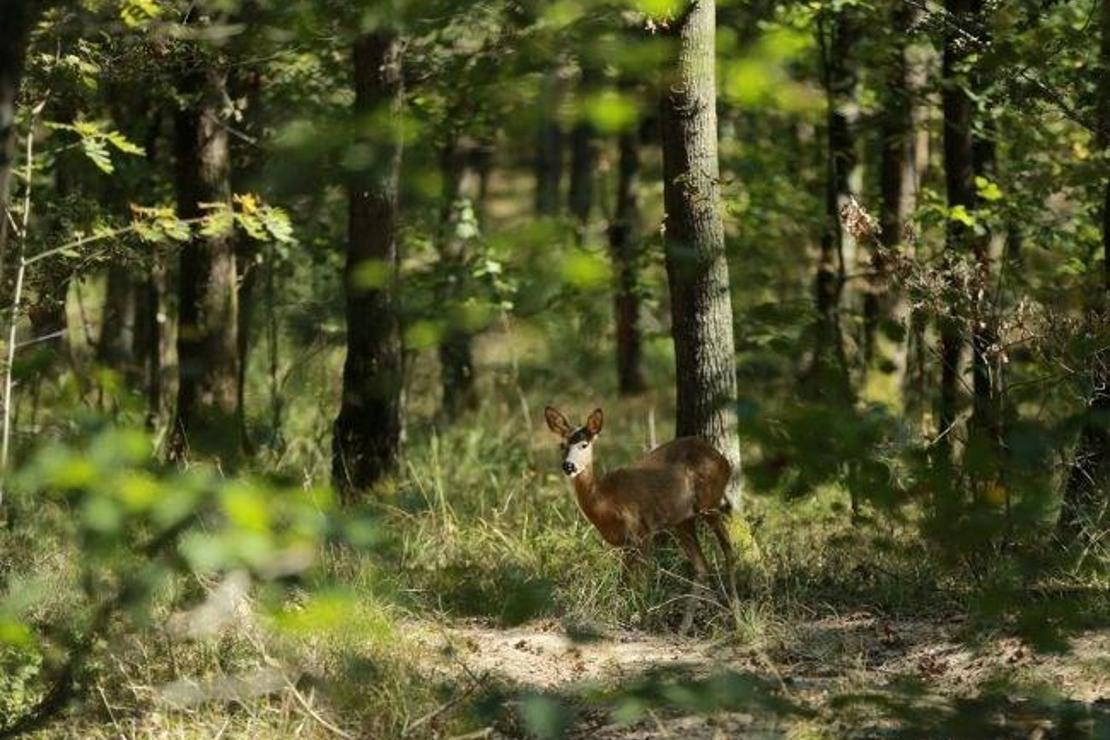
(313,713)
(450,703)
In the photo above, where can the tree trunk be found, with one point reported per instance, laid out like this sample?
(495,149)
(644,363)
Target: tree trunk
(959,171)
(583,160)
(19,19)
(49,280)
(984,426)
(549,150)
(828,375)
(697,269)
(367,434)
(117,327)
(1087,491)
(208,307)
(146,347)
(918,363)
(624,243)
(148,335)
(461,164)
(895,203)
(247,156)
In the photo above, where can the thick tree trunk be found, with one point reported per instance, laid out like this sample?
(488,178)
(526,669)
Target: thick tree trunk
(367,433)
(208,307)
(697,269)
(461,165)
(828,375)
(19,18)
(624,243)
(549,151)
(959,171)
(1087,492)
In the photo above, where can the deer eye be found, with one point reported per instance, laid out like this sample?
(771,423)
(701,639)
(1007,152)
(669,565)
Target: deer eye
(584,445)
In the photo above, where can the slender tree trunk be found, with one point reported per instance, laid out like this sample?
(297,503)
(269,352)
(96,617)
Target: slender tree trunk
(697,269)
(984,425)
(549,150)
(1087,490)
(461,164)
(959,170)
(208,307)
(49,280)
(19,17)
(146,347)
(583,160)
(828,375)
(896,133)
(624,243)
(117,327)
(148,303)
(367,434)
(247,158)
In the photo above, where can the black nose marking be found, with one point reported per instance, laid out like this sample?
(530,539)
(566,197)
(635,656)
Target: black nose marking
(568,467)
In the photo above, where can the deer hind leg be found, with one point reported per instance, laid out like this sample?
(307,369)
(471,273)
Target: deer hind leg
(687,534)
(720,529)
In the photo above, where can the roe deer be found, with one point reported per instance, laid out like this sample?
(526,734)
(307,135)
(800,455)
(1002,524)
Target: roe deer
(667,490)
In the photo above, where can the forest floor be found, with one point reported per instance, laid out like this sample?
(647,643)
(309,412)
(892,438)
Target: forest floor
(855,674)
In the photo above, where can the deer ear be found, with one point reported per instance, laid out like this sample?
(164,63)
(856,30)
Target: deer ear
(593,424)
(556,422)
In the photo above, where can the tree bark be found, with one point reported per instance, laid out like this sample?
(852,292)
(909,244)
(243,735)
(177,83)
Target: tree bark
(1087,490)
(985,423)
(828,375)
(117,324)
(549,150)
(624,244)
(367,433)
(247,157)
(583,160)
(461,165)
(50,279)
(147,340)
(19,18)
(959,171)
(895,171)
(208,307)
(697,269)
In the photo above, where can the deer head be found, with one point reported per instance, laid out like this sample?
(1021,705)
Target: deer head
(576,444)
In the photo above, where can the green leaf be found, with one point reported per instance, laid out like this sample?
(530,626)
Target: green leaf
(97,153)
(218,221)
(987,190)
(961,214)
(121,142)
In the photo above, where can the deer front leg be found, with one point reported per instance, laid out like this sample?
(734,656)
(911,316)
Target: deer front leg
(687,534)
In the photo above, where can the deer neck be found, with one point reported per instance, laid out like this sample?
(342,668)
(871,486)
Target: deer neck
(585,484)
(586,490)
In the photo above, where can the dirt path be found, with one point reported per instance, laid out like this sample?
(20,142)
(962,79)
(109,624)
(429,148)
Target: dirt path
(541,655)
(855,674)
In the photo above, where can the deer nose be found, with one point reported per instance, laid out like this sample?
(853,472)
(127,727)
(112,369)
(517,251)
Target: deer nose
(569,468)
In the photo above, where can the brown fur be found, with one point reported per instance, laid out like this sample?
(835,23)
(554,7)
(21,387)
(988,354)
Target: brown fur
(673,483)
